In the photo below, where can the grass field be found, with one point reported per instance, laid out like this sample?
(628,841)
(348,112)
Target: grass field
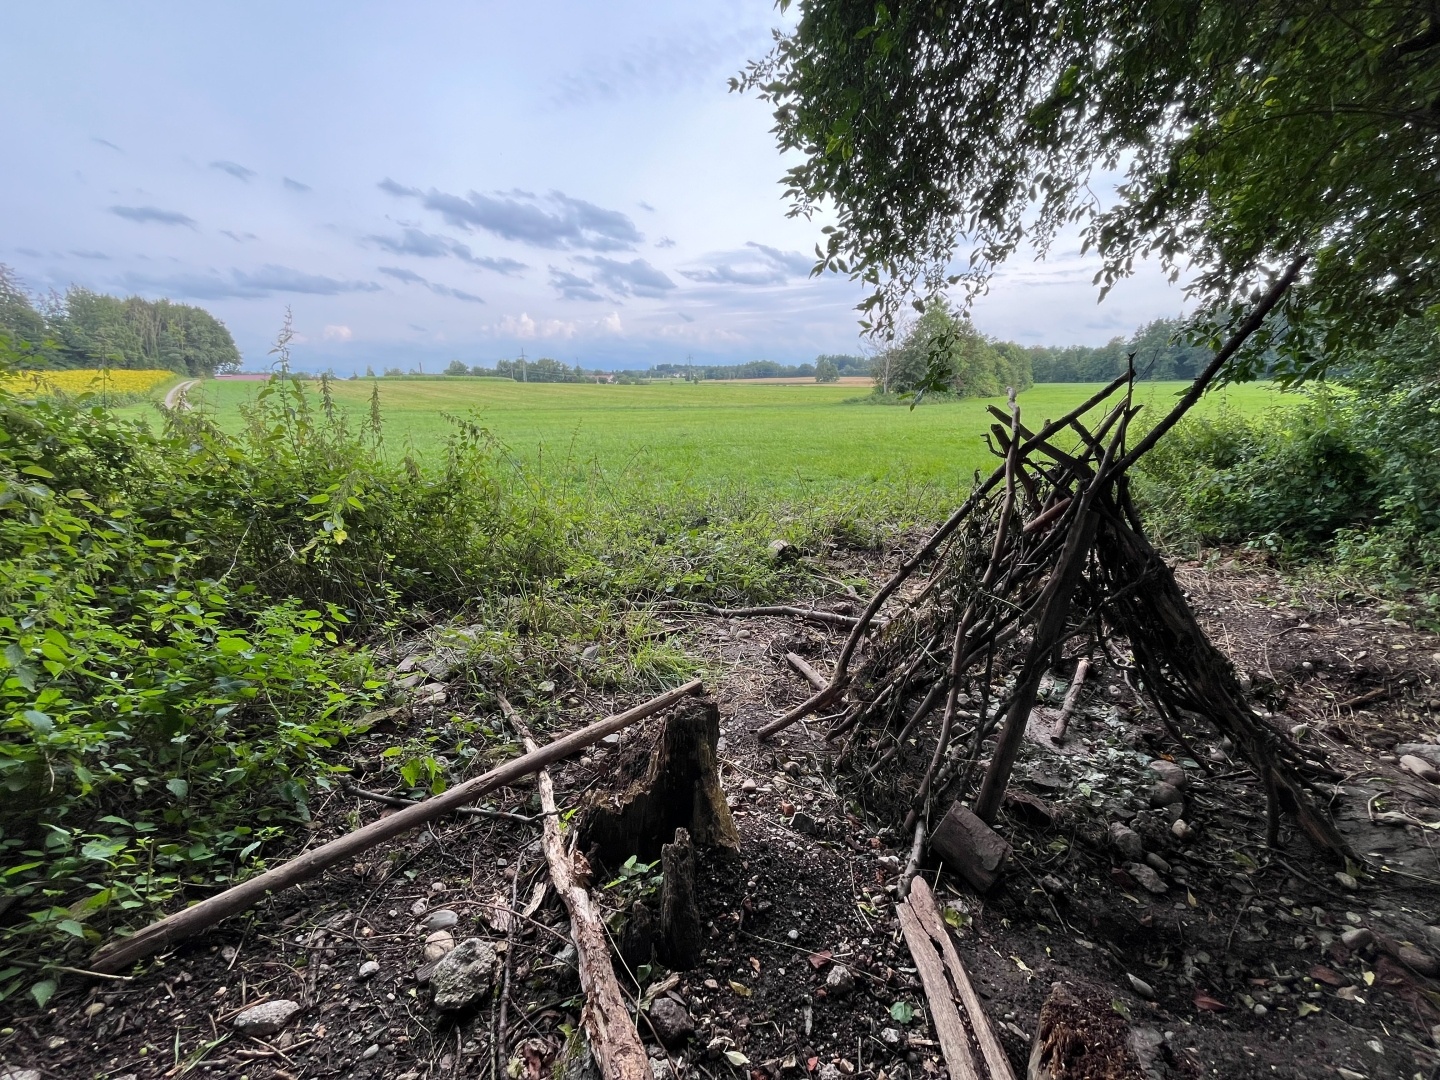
(787,440)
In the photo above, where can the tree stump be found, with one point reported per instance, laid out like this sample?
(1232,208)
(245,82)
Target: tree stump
(680,931)
(674,786)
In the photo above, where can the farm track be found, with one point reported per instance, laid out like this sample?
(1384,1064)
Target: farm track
(175,399)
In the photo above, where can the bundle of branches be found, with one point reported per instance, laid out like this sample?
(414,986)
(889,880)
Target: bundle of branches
(1050,548)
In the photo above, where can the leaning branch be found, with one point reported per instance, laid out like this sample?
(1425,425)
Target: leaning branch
(183,924)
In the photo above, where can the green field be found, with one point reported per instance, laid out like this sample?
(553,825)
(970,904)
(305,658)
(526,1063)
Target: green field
(788,440)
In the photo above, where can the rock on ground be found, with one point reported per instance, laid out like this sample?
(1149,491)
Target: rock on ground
(464,975)
(671,1021)
(266,1018)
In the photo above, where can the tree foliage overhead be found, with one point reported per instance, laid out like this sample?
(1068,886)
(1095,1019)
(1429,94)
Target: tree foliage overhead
(1248,135)
(85,329)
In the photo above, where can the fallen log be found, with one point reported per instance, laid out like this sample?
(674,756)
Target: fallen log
(175,928)
(832,618)
(613,1039)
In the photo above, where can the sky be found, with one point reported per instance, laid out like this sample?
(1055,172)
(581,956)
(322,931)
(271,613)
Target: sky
(431,181)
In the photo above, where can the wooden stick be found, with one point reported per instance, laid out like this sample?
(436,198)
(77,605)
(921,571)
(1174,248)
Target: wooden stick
(944,1017)
(613,1038)
(174,928)
(912,867)
(823,698)
(922,902)
(465,811)
(813,677)
(833,618)
(1072,696)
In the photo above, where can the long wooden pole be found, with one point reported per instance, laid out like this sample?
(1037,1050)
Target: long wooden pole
(119,955)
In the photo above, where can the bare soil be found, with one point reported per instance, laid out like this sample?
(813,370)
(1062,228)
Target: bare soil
(1236,969)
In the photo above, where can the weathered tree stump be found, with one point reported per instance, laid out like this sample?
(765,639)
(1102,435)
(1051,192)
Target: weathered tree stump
(674,786)
(680,930)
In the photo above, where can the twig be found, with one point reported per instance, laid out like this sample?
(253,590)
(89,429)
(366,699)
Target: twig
(917,852)
(467,811)
(1072,696)
(813,677)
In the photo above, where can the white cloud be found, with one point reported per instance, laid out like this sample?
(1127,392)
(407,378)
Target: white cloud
(526,328)
(338,333)
(611,323)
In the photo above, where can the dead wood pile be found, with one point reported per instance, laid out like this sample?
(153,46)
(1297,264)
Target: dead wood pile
(1046,564)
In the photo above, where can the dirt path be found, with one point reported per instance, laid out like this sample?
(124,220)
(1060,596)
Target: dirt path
(175,399)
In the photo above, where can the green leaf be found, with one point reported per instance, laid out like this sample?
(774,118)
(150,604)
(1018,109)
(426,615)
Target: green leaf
(177,787)
(902,1012)
(43,991)
(736,1058)
(71,927)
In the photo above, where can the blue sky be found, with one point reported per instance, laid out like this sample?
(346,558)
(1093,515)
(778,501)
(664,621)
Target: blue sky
(426,181)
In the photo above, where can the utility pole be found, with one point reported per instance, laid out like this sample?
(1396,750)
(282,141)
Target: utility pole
(522,367)
(690,365)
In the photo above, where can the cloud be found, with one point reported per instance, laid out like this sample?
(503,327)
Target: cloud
(81,254)
(294,185)
(239,238)
(693,57)
(399,190)
(338,333)
(106,142)
(664,242)
(271,278)
(432,246)
(527,328)
(761,265)
(409,277)
(240,172)
(245,284)
(146,215)
(557,221)
(634,278)
(645,206)
(573,287)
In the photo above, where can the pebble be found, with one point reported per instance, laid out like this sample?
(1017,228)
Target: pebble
(839,981)
(418,907)
(464,975)
(791,767)
(1417,960)
(1156,863)
(440,919)
(1346,881)
(1168,772)
(1141,987)
(1182,829)
(672,1022)
(370,1051)
(611,741)
(368,969)
(1418,766)
(1432,935)
(266,1018)
(1260,1010)
(828,1072)
(891,1037)
(438,944)
(1147,878)
(1126,841)
(793,935)
(749,786)
(1163,795)
(1358,938)
(14,1072)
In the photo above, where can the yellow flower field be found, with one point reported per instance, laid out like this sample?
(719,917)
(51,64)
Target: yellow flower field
(85,380)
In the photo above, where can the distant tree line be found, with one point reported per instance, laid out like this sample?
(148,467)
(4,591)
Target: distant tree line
(85,329)
(940,344)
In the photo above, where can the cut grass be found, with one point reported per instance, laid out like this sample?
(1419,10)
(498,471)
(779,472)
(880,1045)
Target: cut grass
(793,443)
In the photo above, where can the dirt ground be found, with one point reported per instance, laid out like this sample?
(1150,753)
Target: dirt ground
(1230,959)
